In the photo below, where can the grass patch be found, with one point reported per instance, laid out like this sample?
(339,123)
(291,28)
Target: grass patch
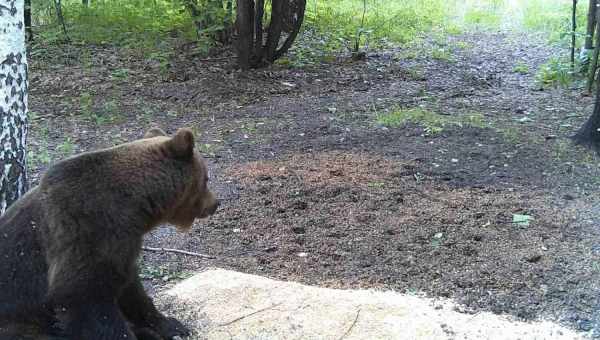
(108,113)
(521,68)
(555,73)
(441,54)
(431,122)
(511,134)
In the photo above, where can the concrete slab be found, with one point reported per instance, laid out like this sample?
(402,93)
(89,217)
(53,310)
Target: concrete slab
(221,304)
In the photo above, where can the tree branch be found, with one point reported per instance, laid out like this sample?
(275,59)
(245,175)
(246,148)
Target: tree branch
(248,315)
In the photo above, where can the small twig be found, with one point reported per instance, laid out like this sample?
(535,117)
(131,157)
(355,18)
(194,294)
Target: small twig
(572,116)
(248,315)
(351,326)
(214,59)
(178,251)
(50,115)
(192,97)
(193,55)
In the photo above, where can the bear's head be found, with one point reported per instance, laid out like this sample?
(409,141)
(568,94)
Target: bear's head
(197,201)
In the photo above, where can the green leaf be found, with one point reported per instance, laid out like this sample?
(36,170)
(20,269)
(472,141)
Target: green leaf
(522,220)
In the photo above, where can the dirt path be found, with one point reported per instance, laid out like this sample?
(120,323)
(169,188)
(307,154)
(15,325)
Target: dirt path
(318,192)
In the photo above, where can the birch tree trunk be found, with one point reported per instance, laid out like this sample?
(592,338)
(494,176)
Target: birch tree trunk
(13,103)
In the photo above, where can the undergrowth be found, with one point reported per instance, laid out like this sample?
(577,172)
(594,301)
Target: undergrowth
(331,25)
(146,25)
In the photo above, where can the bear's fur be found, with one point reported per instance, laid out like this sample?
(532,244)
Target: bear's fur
(68,247)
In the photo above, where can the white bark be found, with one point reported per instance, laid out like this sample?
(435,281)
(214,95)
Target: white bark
(13,103)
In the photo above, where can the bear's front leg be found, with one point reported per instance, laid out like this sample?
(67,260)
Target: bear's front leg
(95,321)
(139,310)
(84,290)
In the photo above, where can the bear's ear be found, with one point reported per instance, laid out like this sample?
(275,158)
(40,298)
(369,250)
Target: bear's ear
(154,132)
(182,144)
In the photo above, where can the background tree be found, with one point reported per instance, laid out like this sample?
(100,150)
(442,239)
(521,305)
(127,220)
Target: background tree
(589,134)
(591,25)
(13,103)
(594,61)
(27,13)
(258,46)
(573,32)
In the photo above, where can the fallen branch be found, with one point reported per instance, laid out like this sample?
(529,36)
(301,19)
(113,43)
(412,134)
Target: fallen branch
(178,251)
(248,315)
(351,326)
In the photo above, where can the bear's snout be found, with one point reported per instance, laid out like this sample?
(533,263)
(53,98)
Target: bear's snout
(214,207)
(211,204)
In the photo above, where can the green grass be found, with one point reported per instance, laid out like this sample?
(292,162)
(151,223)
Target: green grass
(384,20)
(555,73)
(553,17)
(431,122)
(483,14)
(340,24)
(521,68)
(441,54)
(136,24)
(67,147)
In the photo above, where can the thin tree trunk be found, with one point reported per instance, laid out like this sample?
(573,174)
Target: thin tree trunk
(275,29)
(60,17)
(13,106)
(227,23)
(293,34)
(258,30)
(591,25)
(594,61)
(28,31)
(573,29)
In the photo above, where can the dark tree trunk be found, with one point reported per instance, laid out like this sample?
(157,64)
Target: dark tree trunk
(594,61)
(589,134)
(591,25)
(27,13)
(573,29)
(244,35)
(258,23)
(285,21)
(275,29)
(294,29)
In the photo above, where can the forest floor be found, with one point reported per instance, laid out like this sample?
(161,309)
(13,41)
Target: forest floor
(317,190)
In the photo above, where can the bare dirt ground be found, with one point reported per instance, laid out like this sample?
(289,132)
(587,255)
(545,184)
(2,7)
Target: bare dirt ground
(316,191)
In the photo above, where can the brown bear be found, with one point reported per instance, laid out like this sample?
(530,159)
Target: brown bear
(68,247)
